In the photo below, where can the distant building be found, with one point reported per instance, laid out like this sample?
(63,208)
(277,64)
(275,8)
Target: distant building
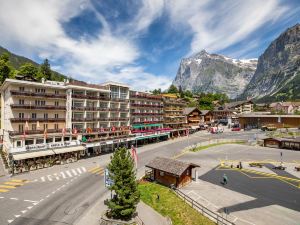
(240,107)
(193,117)
(259,120)
(285,107)
(206,116)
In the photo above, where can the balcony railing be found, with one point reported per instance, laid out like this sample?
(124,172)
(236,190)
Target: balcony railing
(119,100)
(29,132)
(103,130)
(146,105)
(83,96)
(147,114)
(13,120)
(37,94)
(83,108)
(147,122)
(26,106)
(146,97)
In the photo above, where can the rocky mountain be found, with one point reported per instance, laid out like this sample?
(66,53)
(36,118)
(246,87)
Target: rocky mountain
(277,76)
(214,73)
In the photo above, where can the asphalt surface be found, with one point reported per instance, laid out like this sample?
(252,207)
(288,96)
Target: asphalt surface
(54,197)
(265,191)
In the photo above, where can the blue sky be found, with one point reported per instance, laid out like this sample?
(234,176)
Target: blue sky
(139,43)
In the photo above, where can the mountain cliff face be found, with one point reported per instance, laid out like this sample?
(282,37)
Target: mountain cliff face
(206,72)
(278,71)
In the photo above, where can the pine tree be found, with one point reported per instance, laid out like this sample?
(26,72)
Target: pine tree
(45,70)
(126,195)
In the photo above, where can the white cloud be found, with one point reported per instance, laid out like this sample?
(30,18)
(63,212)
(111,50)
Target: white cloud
(216,25)
(36,26)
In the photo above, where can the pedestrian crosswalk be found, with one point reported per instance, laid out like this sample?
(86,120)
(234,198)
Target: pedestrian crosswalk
(97,170)
(11,185)
(62,175)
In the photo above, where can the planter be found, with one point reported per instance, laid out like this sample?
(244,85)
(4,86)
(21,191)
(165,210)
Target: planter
(108,221)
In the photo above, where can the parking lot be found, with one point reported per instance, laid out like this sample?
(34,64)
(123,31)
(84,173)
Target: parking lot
(252,195)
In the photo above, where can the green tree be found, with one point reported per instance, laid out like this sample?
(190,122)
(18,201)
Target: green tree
(45,70)
(125,187)
(5,69)
(29,70)
(156,91)
(173,89)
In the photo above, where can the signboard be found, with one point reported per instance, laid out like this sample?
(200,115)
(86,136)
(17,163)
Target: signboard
(108,181)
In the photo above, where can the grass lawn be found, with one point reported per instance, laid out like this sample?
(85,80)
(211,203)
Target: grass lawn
(217,144)
(169,204)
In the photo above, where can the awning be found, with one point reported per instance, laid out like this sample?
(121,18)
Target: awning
(146,125)
(29,155)
(151,136)
(70,149)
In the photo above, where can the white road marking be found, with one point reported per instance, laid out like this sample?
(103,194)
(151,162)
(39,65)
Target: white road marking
(9,221)
(13,198)
(63,185)
(1,197)
(29,207)
(49,177)
(83,169)
(69,174)
(63,175)
(43,179)
(17,216)
(41,200)
(24,211)
(79,171)
(53,192)
(74,172)
(47,196)
(35,203)
(30,201)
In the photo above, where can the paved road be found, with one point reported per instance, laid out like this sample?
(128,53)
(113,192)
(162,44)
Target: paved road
(62,194)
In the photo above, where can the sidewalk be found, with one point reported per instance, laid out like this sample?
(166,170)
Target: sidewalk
(2,171)
(148,215)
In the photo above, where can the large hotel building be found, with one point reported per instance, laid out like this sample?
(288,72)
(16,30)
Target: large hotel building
(50,122)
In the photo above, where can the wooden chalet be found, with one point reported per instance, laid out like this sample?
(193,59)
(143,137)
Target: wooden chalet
(171,172)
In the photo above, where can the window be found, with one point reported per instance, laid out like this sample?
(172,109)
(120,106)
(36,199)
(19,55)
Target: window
(56,116)
(21,101)
(21,89)
(29,142)
(40,90)
(114,92)
(123,93)
(57,139)
(56,92)
(56,103)
(19,143)
(45,115)
(21,128)
(33,115)
(49,140)
(45,126)
(21,115)
(40,102)
(56,126)
(66,138)
(33,126)
(39,141)
(161,173)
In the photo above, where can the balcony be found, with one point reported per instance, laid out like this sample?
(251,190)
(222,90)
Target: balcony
(146,105)
(103,130)
(119,100)
(30,132)
(147,122)
(146,114)
(26,106)
(16,120)
(141,96)
(92,97)
(118,119)
(37,94)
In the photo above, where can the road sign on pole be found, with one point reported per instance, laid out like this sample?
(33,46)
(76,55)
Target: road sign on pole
(108,181)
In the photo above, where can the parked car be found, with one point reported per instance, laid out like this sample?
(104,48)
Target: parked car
(235,129)
(268,128)
(247,128)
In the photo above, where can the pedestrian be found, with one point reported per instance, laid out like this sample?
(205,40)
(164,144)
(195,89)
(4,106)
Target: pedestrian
(225,179)
(241,167)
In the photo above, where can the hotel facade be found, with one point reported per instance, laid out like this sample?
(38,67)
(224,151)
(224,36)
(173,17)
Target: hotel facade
(56,122)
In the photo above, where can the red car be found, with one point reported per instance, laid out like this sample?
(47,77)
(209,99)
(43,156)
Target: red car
(236,129)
